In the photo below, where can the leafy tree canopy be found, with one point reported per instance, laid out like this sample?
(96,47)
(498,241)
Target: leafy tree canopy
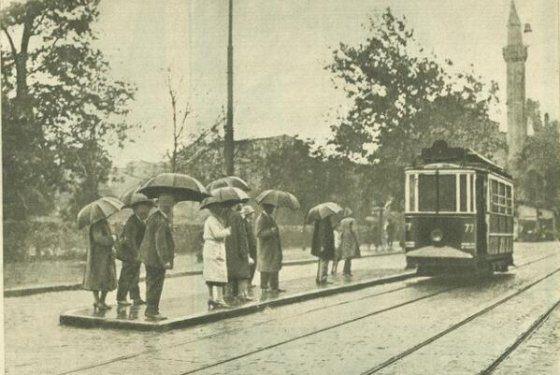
(61,105)
(402,99)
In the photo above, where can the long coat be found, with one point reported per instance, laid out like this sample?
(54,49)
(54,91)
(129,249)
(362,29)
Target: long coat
(251,240)
(130,239)
(322,244)
(158,247)
(349,246)
(237,249)
(269,247)
(214,251)
(101,273)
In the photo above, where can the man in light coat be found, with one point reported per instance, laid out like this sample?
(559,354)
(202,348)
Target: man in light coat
(269,250)
(157,252)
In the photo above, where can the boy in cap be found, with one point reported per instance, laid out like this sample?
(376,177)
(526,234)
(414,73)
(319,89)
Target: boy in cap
(128,250)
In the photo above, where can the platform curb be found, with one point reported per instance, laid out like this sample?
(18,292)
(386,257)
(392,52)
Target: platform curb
(27,291)
(68,319)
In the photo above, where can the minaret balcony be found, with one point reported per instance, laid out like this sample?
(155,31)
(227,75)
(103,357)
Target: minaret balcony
(515,53)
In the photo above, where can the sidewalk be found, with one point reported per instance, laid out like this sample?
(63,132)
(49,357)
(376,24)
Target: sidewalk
(185,310)
(55,276)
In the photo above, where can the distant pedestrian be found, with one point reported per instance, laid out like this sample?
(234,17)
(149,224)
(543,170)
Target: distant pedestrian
(269,250)
(100,274)
(248,212)
(390,235)
(237,255)
(348,246)
(214,255)
(128,248)
(322,246)
(157,252)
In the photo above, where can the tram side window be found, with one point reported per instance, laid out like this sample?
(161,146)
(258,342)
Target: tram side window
(501,198)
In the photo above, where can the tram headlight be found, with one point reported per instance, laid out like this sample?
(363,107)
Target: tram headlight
(436,235)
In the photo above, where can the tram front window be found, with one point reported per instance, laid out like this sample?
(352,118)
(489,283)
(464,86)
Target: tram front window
(437,192)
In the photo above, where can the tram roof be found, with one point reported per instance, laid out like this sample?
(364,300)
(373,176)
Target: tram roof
(440,152)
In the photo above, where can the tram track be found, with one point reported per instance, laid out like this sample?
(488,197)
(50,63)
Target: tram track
(520,339)
(463,322)
(280,343)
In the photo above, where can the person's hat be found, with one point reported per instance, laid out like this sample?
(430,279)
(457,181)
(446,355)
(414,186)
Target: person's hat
(247,210)
(207,202)
(139,198)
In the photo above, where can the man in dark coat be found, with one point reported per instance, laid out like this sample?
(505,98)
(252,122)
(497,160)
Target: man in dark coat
(269,250)
(157,252)
(128,248)
(237,255)
(322,246)
(247,212)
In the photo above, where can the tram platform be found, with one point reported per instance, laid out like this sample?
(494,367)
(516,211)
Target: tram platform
(190,310)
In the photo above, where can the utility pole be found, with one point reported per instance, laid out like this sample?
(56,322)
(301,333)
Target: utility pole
(228,127)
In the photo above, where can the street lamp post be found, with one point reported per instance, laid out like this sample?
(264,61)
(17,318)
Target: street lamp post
(228,127)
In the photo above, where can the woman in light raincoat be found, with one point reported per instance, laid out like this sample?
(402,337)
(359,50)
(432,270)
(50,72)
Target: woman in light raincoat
(347,245)
(214,254)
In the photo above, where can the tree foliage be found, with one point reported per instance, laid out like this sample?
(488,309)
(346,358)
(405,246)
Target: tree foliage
(539,162)
(61,107)
(403,99)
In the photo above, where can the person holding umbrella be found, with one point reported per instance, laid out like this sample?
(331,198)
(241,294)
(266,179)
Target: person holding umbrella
(214,253)
(322,244)
(157,250)
(100,272)
(128,249)
(237,254)
(247,212)
(269,246)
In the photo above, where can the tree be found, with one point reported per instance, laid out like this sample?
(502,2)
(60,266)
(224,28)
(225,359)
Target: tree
(403,100)
(539,162)
(60,106)
(179,124)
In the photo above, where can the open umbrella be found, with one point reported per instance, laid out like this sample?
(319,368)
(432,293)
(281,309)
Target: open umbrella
(278,198)
(229,181)
(181,186)
(229,194)
(324,210)
(98,210)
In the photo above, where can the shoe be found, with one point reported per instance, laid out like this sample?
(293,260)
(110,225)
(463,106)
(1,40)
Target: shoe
(155,317)
(103,306)
(123,303)
(247,299)
(138,302)
(221,304)
(278,290)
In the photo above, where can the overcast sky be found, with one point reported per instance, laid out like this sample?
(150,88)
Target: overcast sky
(280,49)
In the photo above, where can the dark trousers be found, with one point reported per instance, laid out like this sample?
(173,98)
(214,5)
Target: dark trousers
(232,287)
(128,281)
(154,286)
(347,270)
(322,270)
(269,280)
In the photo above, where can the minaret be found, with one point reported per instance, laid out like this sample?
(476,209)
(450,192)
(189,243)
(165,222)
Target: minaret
(515,55)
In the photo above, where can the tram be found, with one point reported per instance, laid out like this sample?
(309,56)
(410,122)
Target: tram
(458,212)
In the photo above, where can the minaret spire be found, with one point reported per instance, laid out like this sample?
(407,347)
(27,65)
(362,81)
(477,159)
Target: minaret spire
(515,55)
